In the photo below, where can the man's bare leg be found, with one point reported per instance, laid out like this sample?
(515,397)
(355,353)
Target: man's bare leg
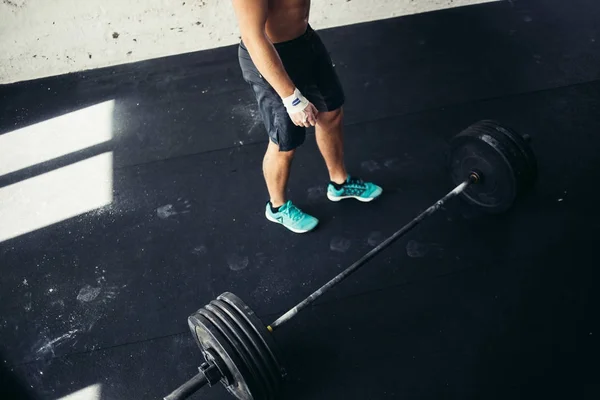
(329,135)
(276,169)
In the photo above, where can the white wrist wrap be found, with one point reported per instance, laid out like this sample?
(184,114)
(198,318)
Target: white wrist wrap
(296,102)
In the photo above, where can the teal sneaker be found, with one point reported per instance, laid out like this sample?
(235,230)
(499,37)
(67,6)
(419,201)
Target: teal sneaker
(353,188)
(292,218)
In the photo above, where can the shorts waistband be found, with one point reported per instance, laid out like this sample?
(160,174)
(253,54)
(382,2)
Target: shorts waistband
(279,45)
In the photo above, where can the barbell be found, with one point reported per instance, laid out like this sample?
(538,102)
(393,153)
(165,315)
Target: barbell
(490,167)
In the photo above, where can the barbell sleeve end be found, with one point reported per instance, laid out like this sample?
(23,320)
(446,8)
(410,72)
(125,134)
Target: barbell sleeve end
(188,388)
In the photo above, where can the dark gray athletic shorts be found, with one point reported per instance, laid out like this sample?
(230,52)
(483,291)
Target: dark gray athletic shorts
(309,65)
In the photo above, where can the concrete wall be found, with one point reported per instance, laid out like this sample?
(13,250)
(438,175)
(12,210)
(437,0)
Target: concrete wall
(49,37)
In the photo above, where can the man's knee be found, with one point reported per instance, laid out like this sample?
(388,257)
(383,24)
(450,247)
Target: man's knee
(285,153)
(331,119)
(280,151)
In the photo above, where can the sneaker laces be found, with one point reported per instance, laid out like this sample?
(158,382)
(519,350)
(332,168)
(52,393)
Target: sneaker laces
(291,211)
(357,182)
(355,185)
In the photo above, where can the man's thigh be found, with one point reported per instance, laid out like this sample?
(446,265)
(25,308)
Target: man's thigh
(324,88)
(308,64)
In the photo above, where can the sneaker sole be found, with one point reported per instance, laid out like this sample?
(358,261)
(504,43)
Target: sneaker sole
(270,218)
(339,198)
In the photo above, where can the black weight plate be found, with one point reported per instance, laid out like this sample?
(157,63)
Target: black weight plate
(529,173)
(259,327)
(496,158)
(209,338)
(260,354)
(246,353)
(262,335)
(514,153)
(253,380)
(252,355)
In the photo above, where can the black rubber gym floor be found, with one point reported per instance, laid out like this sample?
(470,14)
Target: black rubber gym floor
(466,306)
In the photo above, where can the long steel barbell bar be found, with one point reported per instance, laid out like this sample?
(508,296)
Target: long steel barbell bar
(473,178)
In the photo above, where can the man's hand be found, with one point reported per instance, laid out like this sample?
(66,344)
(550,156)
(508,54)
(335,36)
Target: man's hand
(301,111)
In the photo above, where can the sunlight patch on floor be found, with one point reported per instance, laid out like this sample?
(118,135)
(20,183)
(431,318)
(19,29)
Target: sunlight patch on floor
(92,392)
(55,196)
(56,137)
